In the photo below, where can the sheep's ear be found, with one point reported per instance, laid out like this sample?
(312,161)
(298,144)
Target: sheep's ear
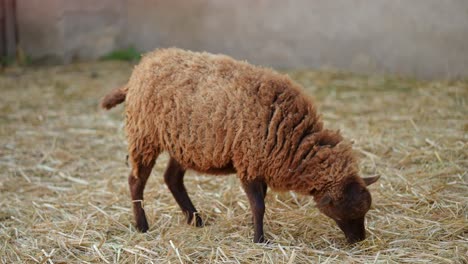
(325,200)
(371,180)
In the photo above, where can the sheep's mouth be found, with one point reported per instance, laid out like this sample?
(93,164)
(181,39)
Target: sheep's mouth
(353,229)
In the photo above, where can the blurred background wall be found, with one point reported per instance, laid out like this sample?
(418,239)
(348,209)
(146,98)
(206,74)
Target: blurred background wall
(419,38)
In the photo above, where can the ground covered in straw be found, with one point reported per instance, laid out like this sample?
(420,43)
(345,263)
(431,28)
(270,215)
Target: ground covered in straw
(63,178)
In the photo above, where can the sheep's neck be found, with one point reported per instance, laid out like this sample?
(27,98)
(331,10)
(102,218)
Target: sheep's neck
(319,161)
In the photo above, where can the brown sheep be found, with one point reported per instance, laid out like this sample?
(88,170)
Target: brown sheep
(216,115)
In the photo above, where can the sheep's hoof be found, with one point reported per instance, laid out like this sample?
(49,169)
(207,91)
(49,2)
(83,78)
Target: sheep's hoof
(261,240)
(198,221)
(142,225)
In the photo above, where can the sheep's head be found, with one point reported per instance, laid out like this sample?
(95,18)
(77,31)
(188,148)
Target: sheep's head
(349,211)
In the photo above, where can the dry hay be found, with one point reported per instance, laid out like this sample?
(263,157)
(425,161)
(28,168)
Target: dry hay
(64,197)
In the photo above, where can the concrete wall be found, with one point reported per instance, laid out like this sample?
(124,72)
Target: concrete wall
(65,30)
(421,38)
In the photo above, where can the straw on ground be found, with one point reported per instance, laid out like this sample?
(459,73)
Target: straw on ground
(64,197)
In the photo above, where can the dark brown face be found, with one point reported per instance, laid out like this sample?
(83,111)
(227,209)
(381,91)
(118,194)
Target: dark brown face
(349,212)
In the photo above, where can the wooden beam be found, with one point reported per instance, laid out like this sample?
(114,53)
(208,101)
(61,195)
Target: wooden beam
(3,37)
(14,20)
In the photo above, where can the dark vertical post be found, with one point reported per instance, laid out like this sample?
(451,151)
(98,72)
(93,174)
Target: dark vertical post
(14,19)
(3,40)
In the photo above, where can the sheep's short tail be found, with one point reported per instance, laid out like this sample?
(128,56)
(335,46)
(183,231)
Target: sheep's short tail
(115,97)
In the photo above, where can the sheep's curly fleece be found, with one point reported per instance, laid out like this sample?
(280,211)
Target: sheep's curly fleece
(214,114)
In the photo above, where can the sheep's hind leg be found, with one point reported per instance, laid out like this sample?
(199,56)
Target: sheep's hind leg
(264,189)
(256,191)
(137,181)
(174,178)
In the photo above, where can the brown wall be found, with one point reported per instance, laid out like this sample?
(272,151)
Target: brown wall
(422,38)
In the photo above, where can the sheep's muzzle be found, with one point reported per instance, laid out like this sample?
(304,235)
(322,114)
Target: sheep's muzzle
(353,229)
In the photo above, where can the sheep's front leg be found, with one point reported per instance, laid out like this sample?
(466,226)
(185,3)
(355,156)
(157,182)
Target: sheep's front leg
(256,191)
(174,178)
